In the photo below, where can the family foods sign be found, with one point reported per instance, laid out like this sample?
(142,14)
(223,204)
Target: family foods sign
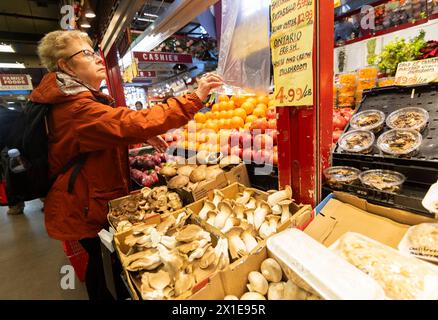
(163,57)
(417,72)
(15,82)
(291,44)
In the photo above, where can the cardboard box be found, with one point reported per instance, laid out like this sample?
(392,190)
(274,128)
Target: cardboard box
(346,212)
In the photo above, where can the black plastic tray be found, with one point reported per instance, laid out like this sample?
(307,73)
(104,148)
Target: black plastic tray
(421,170)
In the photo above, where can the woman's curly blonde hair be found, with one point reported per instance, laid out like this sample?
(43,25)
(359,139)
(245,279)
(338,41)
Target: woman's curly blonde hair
(53,46)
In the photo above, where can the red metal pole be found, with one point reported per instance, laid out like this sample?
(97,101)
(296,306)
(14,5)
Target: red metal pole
(114,77)
(305,134)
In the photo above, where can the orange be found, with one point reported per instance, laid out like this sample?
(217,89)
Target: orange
(227,124)
(240,112)
(250,118)
(247,126)
(221,123)
(252,100)
(223,114)
(238,100)
(230,114)
(259,112)
(271,103)
(215,107)
(248,107)
(237,122)
(200,117)
(263,99)
(262,105)
(223,98)
(230,105)
(208,115)
(217,115)
(223,106)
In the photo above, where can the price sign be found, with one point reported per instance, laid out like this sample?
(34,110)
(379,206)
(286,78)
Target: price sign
(417,72)
(292,56)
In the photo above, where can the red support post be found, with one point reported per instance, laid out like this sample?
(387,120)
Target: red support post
(305,134)
(114,77)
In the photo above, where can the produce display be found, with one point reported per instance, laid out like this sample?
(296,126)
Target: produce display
(242,126)
(341,118)
(247,218)
(357,141)
(136,209)
(170,258)
(268,285)
(144,167)
(402,277)
(408,118)
(400,142)
(384,180)
(372,120)
(336,176)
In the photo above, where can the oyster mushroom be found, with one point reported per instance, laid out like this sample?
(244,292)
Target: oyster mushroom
(167,223)
(185,171)
(276,209)
(169,292)
(181,219)
(249,238)
(285,213)
(265,230)
(239,210)
(174,201)
(178,182)
(188,247)
(208,206)
(158,280)
(208,258)
(168,242)
(231,222)
(252,296)
(271,270)
(260,213)
(231,297)
(183,283)
(237,246)
(276,291)
(249,213)
(273,222)
(257,283)
(123,226)
(275,198)
(172,261)
(145,192)
(252,203)
(198,174)
(246,195)
(199,252)
(168,171)
(221,252)
(225,211)
(211,216)
(192,232)
(149,262)
(148,293)
(218,197)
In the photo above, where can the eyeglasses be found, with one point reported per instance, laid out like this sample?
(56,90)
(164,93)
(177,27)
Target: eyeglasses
(89,54)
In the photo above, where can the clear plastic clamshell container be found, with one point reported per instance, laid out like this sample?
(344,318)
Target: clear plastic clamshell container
(357,141)
(338,175)
(384,180)
(372,120)
(408,118)
(400,142)
(421,241)
(313,267)
(401,276)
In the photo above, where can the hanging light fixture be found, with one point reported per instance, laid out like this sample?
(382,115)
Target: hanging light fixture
(89,13)
(83,23)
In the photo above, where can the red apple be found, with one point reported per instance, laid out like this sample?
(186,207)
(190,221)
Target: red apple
(271,114)
(260,156)
(262,141)
(245,139)
(236,151)
(260,125)
(247,155)
(272,124)
(234,138)
(225,149)
(336,135)
(339,122)
(274,135)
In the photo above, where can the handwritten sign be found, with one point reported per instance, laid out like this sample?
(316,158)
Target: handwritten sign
(292,56)
(417,72)
(15,82)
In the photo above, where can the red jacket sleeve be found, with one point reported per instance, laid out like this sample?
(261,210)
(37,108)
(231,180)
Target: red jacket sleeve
(98,126)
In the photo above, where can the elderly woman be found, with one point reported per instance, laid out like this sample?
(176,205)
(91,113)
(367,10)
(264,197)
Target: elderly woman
(85,127)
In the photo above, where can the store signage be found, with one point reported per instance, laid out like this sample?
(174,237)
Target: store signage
(163,57)
(147,74)
(417,72)
(15,82)
(292,23)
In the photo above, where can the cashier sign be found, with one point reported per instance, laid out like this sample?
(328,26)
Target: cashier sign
(417,72)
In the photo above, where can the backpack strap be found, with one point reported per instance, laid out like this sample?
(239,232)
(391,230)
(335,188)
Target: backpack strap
(78,162)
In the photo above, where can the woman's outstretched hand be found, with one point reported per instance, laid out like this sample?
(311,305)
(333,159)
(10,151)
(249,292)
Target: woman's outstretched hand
(158,143)
(206,83)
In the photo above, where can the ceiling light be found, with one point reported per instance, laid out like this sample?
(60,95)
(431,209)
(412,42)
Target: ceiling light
(147,20)
(7,65)
(11,102)
(83,22)
(150,15)
(6,48)
(89,13)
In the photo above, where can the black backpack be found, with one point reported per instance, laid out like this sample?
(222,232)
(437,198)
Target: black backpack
(29,134)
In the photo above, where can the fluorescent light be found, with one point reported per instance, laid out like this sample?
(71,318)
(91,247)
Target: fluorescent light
(6,48)
(150,15)
(90,15)
(147,20)
(11,102)
(12,65)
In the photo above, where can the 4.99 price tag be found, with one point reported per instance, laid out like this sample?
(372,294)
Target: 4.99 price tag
(292,94)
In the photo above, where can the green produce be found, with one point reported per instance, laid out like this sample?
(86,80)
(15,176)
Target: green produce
(399,51)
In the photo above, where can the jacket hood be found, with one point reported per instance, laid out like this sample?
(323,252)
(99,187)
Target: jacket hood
(59,87)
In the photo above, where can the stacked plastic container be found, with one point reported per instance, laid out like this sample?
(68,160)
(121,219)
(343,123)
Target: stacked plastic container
(367,79)
(346,90)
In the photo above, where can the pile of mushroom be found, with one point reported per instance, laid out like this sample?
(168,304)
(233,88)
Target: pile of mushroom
(268,284)
(135,209)
(171,257)
(246,220)
(188,177)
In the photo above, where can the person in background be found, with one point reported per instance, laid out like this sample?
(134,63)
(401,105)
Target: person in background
(138,106)
(84,123)
(344,30)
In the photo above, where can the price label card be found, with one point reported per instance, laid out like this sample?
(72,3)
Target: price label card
(292,56)
(417,72)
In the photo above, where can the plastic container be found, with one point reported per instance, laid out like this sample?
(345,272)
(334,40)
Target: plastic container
(348,79)
(384,180)
(357,141)
(372,120)
(366,83)
(386,82)
(400,142)
(316,269)
(16,163)
(400,275)
(421,241)
(368,72)
(339,175)
(346,100)
(347,90)
(408,118)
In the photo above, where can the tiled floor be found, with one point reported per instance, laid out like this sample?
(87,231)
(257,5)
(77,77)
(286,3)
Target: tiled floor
(30,261)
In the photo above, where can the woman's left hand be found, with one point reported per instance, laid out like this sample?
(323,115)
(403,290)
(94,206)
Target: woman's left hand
(158,143)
